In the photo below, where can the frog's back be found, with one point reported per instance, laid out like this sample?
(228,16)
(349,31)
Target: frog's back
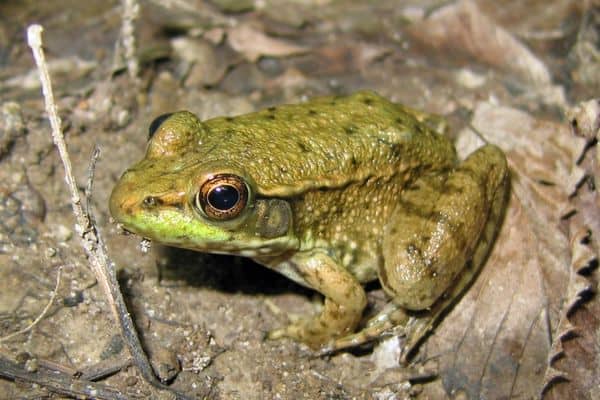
(327,142)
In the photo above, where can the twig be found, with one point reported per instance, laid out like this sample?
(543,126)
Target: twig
(90,183)
(131,9)
(59,382)
(34,38)
(42,314)
(93,245)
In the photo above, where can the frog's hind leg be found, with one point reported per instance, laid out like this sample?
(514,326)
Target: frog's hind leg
(435,245)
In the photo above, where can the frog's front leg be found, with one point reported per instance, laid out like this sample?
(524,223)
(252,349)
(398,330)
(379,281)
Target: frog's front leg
(345,300)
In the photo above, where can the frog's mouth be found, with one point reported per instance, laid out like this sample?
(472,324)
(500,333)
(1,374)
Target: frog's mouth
(172,227)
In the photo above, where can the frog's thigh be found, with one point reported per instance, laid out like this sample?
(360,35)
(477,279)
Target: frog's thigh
(441,225)
(345,300)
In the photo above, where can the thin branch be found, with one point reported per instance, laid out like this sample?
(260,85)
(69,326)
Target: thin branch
(59,382)
(34,37)
(93,245)
(131,9)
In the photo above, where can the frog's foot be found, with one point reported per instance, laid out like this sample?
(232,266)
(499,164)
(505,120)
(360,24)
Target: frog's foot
(315,332)
(392,320)
(305,331)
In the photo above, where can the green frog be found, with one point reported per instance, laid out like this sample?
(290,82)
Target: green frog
(331,193)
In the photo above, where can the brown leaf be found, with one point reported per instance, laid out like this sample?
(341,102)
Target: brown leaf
(253,43)
(576,350)
(460,26)
(495,343)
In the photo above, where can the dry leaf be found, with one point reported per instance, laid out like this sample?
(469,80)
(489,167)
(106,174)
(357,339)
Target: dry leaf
(585,119)
(496,341)
(462,27)
(253,43)
(574,362)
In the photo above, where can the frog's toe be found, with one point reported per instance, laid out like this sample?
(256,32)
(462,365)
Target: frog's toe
(305,331)
(275,334)
(392,320)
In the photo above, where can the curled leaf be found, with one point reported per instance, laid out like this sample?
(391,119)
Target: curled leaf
(253,43)
(495,342)
(461,26)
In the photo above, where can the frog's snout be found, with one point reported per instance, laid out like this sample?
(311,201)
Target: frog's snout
(130,200)
(122,202)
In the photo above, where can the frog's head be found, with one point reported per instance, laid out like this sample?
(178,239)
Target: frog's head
(180,195)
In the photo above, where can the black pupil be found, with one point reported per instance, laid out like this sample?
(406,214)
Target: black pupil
(223,197)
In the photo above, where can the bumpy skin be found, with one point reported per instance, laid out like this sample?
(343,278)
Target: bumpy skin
(342,190)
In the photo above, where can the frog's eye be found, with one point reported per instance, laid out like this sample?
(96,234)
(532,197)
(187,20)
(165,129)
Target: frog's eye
(156,123)
(222,197)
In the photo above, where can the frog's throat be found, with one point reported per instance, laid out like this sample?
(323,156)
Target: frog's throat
(173,228)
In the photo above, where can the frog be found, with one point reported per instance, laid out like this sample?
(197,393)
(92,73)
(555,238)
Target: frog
(332,193)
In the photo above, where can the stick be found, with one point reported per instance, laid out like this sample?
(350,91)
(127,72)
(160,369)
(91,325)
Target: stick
(93,245)
(60,382)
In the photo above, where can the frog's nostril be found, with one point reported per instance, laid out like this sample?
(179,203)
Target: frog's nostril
(151,201)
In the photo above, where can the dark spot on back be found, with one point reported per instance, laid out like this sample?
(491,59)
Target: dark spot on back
(453,189)
(271,109)
(312,112)
(229,119)
(368,101)
(270,116)
(350,129)
(303,147)
(396,150)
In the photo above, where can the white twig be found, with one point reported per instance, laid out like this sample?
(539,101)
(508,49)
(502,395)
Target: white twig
(131,9)
(34,39)
(102,266)
(90,241)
